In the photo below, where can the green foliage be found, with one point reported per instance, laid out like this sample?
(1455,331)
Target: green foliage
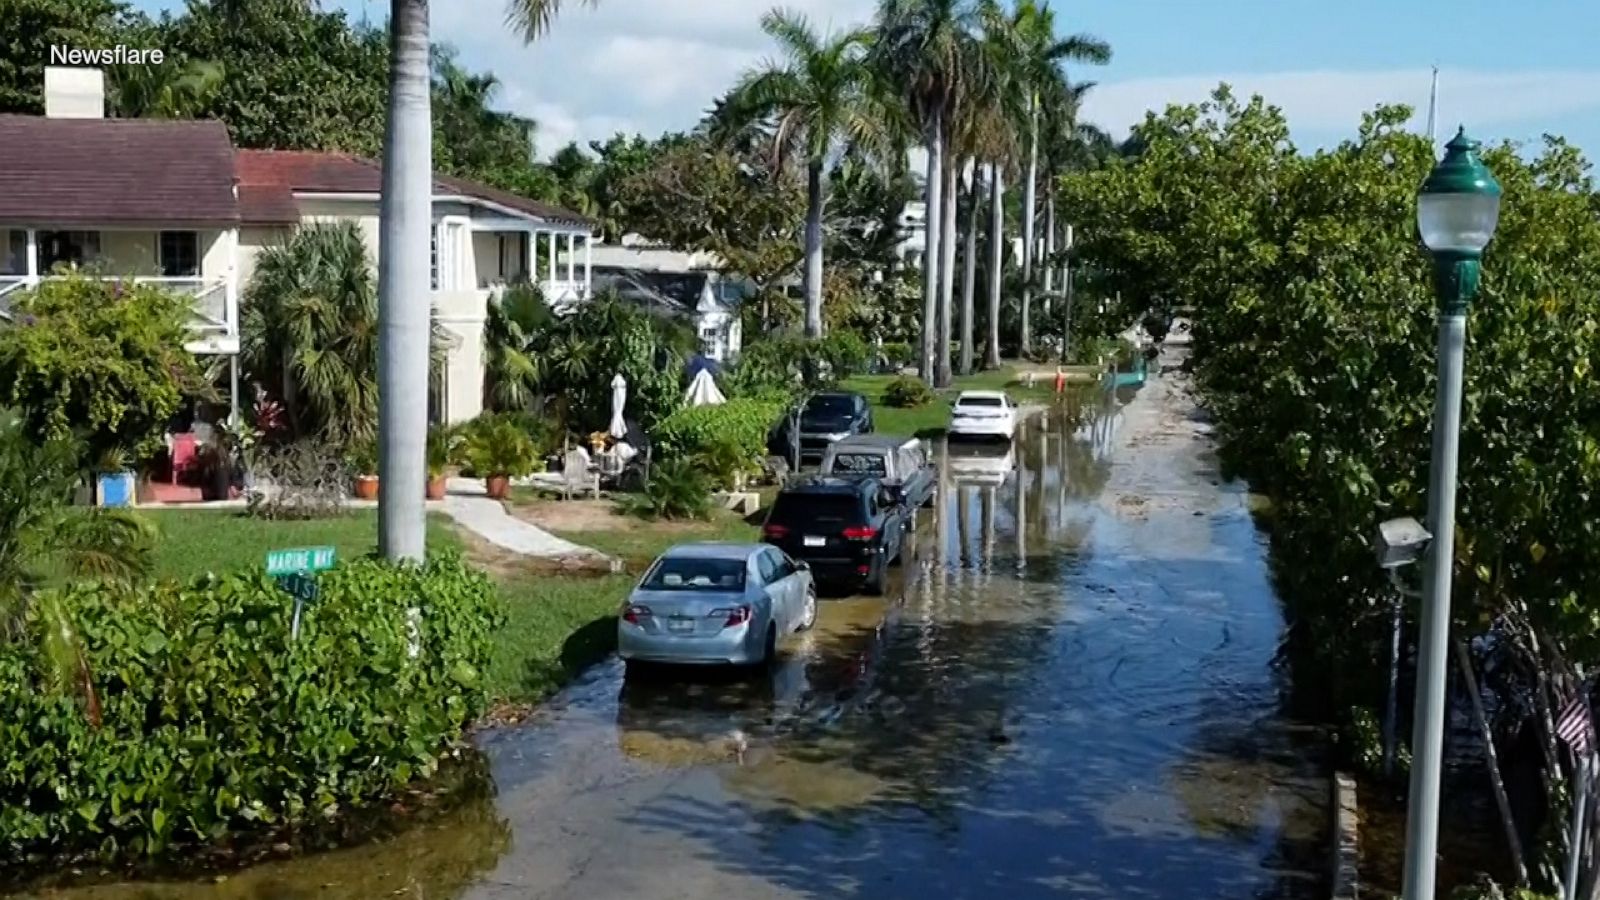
(511,347)
(43,535)
(33,26)
(444,445)
(898,353)
(310,331)
(102,360)
(786,363)
(676,489)
(907,392)
(362,456)
(213,723)
(1315,344)
(733,433)
(499,446)
(580,353)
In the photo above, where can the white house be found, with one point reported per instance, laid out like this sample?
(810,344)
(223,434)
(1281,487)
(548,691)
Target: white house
(174,202)
(684,284)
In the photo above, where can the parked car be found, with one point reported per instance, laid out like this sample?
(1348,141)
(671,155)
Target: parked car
(825,419)
(849,530)
(716,604)
(900,463)
(983,414)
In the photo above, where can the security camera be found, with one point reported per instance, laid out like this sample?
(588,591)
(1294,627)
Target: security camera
(1401,542)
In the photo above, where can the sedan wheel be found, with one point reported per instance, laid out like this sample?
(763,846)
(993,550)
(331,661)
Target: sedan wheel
(808,612)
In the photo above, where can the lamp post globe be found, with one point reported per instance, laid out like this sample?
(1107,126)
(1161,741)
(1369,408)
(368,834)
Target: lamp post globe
(1457,212)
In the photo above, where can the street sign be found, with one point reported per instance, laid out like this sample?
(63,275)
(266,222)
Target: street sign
(294,569)
(299,560)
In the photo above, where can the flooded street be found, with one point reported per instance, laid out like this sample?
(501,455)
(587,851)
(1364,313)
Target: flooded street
(1072,691)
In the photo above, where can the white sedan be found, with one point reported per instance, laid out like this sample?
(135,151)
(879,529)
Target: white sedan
(983,414)
(716,604)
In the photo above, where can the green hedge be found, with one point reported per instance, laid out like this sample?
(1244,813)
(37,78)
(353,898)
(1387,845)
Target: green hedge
(695,430)
(213,723)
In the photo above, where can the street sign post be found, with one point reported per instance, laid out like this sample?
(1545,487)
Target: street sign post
(295,571)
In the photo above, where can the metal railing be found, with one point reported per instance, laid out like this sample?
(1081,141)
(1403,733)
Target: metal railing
(209,297)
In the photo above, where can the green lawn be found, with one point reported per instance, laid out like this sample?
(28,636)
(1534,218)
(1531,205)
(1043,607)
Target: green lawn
(556,625)
(641,542)
(194,542)
(930,420)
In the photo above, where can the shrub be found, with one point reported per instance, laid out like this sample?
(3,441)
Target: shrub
(845,352)
(304,480)
(907,392)
(677,489)
(737,428)
(496,446)
(444,445)
(101,360)
(362,457)
(214,723)
(898,353)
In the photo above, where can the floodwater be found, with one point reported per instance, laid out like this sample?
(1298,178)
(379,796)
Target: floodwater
(1073,690)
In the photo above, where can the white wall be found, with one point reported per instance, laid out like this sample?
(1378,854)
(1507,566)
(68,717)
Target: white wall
(462,313)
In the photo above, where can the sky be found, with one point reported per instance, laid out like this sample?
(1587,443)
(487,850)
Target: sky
(1507,71)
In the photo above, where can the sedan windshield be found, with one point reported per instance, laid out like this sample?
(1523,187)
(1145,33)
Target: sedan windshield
(830,406)
(687,573)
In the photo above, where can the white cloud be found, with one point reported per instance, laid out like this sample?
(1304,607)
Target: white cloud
(625,65)
(1510,104)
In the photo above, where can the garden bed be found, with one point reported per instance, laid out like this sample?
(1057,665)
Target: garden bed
(598,524)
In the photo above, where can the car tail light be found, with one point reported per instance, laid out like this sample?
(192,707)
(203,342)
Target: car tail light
(775,531)
(633,613)
(860,533)
(733,616)
(863,570)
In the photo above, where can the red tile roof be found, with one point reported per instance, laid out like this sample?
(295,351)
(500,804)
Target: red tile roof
(311,172)
(115,172)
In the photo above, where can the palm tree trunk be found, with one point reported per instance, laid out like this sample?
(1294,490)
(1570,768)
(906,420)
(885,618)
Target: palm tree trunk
(933,192)
(997,240)
(813,273)
(404,307)
(1029,225)
(947,272)
(1049,248)
(969,266)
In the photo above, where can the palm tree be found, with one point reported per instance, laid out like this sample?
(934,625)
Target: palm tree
(512,365)
(1069,144)
(924,49)
(310,331)
(42,533)
(1038,59)
(818,96)
(403,269)
(1005,117)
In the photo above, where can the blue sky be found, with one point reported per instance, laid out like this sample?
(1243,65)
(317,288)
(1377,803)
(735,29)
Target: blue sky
(1507,71)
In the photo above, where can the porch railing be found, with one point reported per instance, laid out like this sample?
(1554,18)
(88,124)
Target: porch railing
(209,298)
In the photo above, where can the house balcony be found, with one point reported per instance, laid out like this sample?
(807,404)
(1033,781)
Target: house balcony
(214,324)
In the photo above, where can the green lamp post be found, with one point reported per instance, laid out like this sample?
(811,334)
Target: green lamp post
(1457,212)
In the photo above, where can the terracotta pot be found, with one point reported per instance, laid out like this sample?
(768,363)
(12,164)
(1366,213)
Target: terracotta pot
(497,486)
(366,487)
(436,488)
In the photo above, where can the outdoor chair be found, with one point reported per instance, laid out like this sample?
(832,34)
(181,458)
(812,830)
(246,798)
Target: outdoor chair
(577,478)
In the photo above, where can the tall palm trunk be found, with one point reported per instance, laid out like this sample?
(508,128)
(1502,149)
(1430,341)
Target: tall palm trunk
(1066,296)
(1049,248)
(969,266)
(947,271)
(404,305)
(1029,225)
(997,241)
(933,193)
(813,273)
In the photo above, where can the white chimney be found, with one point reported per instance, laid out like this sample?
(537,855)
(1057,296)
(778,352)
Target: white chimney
(71,93)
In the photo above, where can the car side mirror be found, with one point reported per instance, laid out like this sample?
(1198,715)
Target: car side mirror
(801,565)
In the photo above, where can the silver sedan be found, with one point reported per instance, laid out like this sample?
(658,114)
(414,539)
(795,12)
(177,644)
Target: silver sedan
(716,604)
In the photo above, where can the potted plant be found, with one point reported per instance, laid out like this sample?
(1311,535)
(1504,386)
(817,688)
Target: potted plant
(498,451)
(114,484)
(363,461)
(443,442)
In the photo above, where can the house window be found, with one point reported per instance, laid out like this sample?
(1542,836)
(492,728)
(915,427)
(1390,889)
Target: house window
(180,254)
(73,248)
(16,258)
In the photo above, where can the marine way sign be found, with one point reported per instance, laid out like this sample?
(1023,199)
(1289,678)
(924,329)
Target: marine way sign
(298,560)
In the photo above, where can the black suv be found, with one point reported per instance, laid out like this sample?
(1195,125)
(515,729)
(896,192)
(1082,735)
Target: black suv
(826,418)
(850,530)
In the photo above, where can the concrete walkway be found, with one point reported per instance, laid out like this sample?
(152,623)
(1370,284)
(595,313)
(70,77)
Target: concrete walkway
(468,506)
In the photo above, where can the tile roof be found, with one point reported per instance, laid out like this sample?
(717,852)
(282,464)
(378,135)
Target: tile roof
(115,172)
(312,172)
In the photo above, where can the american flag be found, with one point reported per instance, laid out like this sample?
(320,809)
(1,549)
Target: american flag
(1573,727)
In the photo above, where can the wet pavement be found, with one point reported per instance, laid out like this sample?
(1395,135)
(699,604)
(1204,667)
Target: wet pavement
(1073,690)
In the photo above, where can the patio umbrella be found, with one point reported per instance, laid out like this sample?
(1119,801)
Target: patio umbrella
(619,397)
(703,390)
